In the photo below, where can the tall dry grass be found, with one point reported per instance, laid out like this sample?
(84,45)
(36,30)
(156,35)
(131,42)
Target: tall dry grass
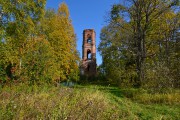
(86,103)
(49,102)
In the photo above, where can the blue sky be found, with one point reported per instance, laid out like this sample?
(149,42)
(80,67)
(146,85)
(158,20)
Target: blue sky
(86,14)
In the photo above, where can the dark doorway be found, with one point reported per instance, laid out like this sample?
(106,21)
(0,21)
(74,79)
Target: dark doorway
(88,68)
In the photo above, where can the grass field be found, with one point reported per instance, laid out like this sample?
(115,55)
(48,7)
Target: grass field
(86,102)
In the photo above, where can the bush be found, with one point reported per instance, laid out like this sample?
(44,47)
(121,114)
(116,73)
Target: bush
(158,78)
(38,62)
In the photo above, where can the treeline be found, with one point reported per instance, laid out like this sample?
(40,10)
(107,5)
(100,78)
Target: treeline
(140,45)
(36,45)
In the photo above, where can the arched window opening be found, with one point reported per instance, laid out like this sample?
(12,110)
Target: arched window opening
(89,40)
(88,54)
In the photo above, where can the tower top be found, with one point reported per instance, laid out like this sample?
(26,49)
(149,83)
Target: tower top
(92,30)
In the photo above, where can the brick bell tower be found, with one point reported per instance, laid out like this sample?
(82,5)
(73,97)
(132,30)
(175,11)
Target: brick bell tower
(89,53)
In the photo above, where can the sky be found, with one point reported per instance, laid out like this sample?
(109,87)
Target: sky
(86,14)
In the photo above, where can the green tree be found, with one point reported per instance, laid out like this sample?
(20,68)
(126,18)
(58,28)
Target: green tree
(133,35)
(18,21)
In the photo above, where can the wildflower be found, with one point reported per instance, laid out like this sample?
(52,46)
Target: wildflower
(15,106)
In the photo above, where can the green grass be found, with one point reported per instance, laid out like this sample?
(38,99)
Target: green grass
(86,102)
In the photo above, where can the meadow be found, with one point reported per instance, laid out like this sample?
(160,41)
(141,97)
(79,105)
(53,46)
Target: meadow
(86,102)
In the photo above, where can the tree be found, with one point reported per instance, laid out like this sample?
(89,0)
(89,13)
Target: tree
(39,62)
(44,49)
(18,21)
(60,33)
(137,27)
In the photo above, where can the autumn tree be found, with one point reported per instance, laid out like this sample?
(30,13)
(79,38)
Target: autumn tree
(18,21)
(60,33)
(39,62)
(35,49)
(134,33)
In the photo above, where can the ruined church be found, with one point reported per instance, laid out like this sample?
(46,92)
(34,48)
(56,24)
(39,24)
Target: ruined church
(88,66)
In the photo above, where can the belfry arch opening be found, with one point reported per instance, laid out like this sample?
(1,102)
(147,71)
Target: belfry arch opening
(88,54)
(89,40)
